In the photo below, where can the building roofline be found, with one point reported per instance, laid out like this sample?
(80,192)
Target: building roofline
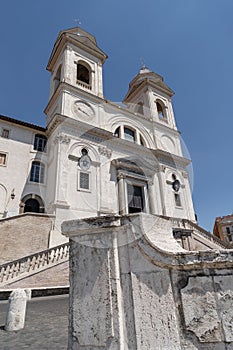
(22,123)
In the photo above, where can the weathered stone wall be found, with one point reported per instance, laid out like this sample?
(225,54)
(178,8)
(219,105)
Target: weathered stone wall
(23,235)
(133,287)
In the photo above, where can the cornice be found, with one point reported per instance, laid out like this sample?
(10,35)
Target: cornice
(65,87)
(65,38)
(87,130)
(164,156)
(22,123)
(134,90)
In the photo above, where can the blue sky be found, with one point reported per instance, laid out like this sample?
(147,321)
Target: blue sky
(188,42)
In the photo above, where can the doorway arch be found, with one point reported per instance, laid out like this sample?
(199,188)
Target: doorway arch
(31,203)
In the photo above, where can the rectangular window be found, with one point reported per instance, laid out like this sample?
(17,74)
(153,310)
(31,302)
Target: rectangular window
(135,198)
(37,172)
(83,181)
(2,158)
(228,230)
(177,200)
(5,133)
(40,142)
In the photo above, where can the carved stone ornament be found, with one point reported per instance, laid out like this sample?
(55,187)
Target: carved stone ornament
(104,151)
(62,138)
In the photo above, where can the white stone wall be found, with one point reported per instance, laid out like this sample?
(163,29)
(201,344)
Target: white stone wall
(15,175)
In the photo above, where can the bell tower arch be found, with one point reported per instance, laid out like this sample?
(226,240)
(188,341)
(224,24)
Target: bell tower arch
(75,67)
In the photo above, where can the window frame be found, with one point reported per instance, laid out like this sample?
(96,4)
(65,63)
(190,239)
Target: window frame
(41,137)
(139,139)
(42,166)
(6,158)
(5,130)
(133,132)
(138,183)
(89,69)
(79,188)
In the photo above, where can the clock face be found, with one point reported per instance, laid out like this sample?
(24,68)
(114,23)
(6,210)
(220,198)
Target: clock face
(83,110)
(85,162)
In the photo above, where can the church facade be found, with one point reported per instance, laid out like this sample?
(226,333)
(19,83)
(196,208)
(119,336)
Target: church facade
(94,157)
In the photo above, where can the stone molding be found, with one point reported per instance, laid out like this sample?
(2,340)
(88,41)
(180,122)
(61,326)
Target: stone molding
(136,225)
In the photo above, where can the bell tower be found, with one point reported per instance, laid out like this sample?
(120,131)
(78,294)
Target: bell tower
(75,66)
(150,96)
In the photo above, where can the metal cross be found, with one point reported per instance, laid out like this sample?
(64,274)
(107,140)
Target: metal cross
(78,21)
(142,62)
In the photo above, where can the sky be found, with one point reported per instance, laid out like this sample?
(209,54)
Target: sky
(188,42)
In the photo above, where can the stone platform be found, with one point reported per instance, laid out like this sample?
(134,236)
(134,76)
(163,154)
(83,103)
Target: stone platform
(46,325)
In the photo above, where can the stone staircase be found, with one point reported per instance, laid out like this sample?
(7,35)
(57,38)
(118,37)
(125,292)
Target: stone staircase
(27,266)
(200,232)
(16,273)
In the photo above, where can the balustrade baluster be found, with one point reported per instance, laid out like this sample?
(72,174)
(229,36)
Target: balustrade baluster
(21,267)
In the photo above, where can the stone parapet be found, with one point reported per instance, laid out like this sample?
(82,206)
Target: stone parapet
(132,286)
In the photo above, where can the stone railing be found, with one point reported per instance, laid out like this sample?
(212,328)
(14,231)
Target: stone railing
(26,266)
(84,85)
(199,230)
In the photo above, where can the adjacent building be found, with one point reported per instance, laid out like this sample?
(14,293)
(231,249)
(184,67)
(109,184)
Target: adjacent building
(223,228)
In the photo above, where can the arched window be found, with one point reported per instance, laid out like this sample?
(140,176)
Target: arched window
(37,172)
(83,74)
(130,134)
(40,143)
(161,110)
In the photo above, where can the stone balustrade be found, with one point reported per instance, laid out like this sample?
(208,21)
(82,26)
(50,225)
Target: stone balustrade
(200,231)
(84,85)
(17,269)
